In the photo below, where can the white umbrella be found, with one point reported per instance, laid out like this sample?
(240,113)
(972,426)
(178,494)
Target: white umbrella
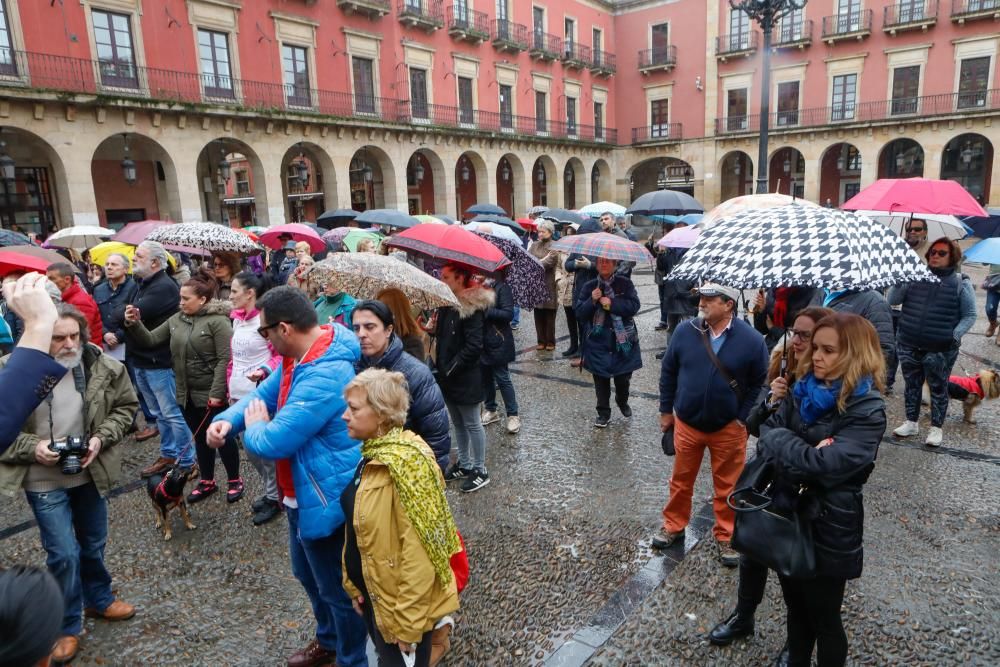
(493,228)
(938,224)
(79,237)
(597,208)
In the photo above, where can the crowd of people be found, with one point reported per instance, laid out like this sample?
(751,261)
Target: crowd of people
(356,413)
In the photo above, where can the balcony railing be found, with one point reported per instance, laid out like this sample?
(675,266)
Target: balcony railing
(423,14)
(848,24)
(909,16)
(510,36)
(576,55)
(468,24)
(742,43)
(657,132)
(545,46)
(797,33)
(61,74)
(602,62)
(660,58)
(868,112)
(969,10)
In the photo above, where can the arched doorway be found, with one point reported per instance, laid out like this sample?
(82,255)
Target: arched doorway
(787,172)
(231,180)
(466,184)
(600,182)
(661,174)
(574,184)
(901,158)
(839,174)
(542,187)
(509,180)
(968,159)
(736,175)
(420,195)
(36,200)
(369,171)
(307,184)
(134,179)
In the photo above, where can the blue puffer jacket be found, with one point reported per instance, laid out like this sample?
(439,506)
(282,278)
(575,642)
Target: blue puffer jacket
(428,416)
(309,431)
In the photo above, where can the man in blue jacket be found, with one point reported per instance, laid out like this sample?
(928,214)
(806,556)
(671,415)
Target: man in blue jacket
(711,372)
(315,460)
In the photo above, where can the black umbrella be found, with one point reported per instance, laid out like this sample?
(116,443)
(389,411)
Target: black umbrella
(485,209)
(665,202)
(9,237)
(389,217)
(564,216)
(336,218)
(501,220)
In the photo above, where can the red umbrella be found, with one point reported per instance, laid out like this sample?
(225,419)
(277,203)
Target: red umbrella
(528,223)
(297,231)
(451,243)
(28,258)
(916,196)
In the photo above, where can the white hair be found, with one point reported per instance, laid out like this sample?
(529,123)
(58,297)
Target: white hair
(157,251)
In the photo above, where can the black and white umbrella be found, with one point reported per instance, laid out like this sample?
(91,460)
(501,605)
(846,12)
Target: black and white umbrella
(208,236)
(801,246)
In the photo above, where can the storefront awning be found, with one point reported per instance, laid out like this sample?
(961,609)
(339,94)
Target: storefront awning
(236,201)
(304,196)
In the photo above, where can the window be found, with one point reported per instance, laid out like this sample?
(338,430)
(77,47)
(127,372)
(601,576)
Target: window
(506,107)
(598,46)
(502,13)
(659,119)
(216,75)
(418,92)
(461,12)
(905,88)
(791,27)
(541,119)
(848,15)
(910,10)
(364,85)
(293,61)
(739,30)
(242,182)
(7,63)
(845,90)
(569,43)
(538,23)
(973,80)
(660,42)
(598,120)
(571,116)
(736,109)
(115,55)
(851,189)
(788,103)
(465,100)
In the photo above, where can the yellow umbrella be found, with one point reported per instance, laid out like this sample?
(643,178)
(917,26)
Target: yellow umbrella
(99,253)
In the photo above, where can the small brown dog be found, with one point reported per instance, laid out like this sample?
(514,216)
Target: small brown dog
(973,390)
(167,492)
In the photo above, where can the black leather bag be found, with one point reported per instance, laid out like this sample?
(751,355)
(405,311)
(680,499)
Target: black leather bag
(782,540)
(667,443)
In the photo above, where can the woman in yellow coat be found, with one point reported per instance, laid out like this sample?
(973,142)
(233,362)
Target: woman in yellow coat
(400,531)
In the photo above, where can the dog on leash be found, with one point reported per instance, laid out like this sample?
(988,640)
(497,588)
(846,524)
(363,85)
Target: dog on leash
(167,492)
(972,390)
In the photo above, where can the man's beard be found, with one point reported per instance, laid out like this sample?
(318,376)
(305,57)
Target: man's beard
(70,361)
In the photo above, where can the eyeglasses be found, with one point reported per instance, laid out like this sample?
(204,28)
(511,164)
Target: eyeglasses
(804,336)
(939,253)
(918,229)
(262,331)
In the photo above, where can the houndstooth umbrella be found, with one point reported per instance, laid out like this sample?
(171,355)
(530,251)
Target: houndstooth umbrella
(525,275)
(208,236)
(363,275)
(800,246)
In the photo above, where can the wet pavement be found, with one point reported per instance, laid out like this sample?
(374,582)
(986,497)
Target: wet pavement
(562,572)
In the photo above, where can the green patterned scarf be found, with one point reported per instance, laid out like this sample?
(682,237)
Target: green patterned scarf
(420,488)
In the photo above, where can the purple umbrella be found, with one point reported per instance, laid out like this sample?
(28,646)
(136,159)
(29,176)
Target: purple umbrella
(682,237)
(525,275)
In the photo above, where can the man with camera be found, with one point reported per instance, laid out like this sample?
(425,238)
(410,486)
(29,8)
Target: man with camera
(66,461)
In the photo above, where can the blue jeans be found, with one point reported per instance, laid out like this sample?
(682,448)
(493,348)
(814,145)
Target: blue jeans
(317,566)
(150,417)
(517,317)
(992,301)
(498,376)
(160,390)
(73,524)
(470,436)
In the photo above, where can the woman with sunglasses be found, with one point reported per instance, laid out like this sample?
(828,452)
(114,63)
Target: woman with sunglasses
(932,321)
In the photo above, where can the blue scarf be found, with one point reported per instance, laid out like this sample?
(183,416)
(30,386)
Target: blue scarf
(817,397)
(829,297)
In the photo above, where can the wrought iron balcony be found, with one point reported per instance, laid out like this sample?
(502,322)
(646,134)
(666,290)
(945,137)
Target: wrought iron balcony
(602,63)
(423,14)
(736,44)
(468,25)
(797,34)
(848,25)
(545,46)
(575,56)
(973,10)
(373,9)
(657,132)
(916,16)
(510,36)
(652,60)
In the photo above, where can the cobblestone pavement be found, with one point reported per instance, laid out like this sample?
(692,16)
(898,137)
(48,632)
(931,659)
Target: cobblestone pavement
(562,572)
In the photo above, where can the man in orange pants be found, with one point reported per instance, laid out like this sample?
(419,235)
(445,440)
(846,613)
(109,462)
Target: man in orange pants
(711,374)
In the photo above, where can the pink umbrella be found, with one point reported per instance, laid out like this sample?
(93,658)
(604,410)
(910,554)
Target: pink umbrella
(682,237)
(915,196)
(297,231)
(135,233)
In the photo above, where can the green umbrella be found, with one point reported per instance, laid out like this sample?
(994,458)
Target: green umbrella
(353,237)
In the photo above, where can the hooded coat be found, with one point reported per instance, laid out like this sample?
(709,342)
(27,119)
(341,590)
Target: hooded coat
(600,354)
(498,337)
(459,336)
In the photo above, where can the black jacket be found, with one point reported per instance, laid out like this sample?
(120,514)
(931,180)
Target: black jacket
(498,338)
(834,474)
(157,298)
(872,306)
(460,346)
(111,302)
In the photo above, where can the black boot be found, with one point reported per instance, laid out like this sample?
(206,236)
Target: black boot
(782,660)
(735,627)
(571,352)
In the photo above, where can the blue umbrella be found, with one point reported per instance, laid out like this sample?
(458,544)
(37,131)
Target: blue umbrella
(447,218)
(987,227)
(9,237)
(389,217)
(986,251)
(487,209)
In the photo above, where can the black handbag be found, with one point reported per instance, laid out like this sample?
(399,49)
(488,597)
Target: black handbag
(667,443)
(780,539)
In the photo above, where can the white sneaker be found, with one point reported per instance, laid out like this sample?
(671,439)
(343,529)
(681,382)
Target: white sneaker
(513,424)
(907,429)
(934,437)
(490,417)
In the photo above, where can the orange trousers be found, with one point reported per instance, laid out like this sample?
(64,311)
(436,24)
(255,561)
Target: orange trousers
(727,449)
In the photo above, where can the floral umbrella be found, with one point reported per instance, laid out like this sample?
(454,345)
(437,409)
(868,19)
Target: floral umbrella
(363,275)
(525,275)
(205,236)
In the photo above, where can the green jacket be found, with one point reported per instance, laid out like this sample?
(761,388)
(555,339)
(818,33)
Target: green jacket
(200,347)
(111,405)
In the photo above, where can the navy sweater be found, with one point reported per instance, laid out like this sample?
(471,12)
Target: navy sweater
(692,388)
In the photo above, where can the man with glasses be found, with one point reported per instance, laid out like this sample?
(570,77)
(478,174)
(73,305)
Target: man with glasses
(916,236)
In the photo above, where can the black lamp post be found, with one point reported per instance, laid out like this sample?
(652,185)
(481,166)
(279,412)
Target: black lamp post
(766,13)
(128,165)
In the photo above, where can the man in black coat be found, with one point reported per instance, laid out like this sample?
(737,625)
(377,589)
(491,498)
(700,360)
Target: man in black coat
(872,306)
(498,352)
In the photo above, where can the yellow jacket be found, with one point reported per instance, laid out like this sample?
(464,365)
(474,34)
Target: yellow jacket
(407,597)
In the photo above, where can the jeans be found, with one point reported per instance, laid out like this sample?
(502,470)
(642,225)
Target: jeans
(516,322)
(470,436)
(992,301)
(73,524)
(150,417)
(750,590)
(198,420)
(921,366)
(602,386)
(892,359)
(317,566)
(158,385)
(664,313)
(814,619)
(268,475)
(498,376)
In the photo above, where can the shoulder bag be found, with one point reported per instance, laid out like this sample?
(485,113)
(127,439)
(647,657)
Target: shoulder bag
(723,371)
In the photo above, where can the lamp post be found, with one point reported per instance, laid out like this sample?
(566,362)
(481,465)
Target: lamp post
(766,13)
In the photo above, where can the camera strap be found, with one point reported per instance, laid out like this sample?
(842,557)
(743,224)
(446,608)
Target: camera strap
(80,383)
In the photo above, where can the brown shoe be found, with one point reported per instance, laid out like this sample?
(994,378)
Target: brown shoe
(576,363)
(65,649)
(157,467)
(312,655)
(440,643)
(116,611)
(540,347)
(664,539)
(147,433)
(728,556)
(550,348)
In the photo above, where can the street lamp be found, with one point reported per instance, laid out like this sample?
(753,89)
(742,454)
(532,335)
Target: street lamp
(540,173)
(128,165)
(225,169)
(766,13)
(465,173)
(505,172)
(418,172)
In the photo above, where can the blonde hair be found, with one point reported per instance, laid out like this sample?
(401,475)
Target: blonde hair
(386,392)
(860,354)
(366,245)
(302,246)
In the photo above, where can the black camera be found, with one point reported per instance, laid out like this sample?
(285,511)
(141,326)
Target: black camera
(71,450)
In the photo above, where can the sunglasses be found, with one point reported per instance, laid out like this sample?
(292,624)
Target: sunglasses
(939,253)
(918,229)
(263,331)
(801,335)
